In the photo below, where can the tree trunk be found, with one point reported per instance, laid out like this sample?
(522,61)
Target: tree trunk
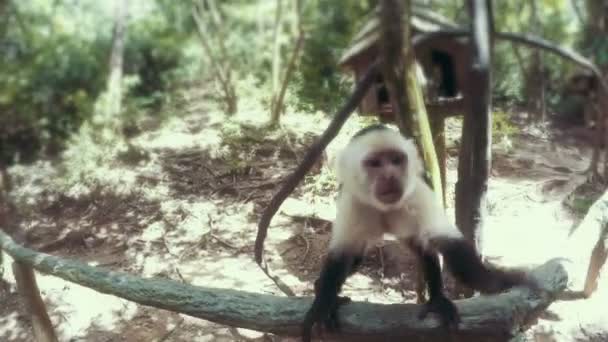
(276,62)
(535,80)
(278,99)
(7,212)
(596,30)
(3,215)
(392,17)
(231,98)
(218,60)
(114,84)
(4,17)
(598,138)
(475,152)
(278,104)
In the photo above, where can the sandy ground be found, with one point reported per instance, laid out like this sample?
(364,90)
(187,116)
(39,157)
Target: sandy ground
(188,212)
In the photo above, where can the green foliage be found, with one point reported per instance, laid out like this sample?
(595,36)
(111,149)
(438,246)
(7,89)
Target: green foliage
(55,61)
(155,51)
(239,143)
(596,47)
(331,25)
(57,64)
(557,24)
(48,89)
(248,36)
(90,154)
(501,125)
(507,85)
(601,50)
(454,10)
(321,184)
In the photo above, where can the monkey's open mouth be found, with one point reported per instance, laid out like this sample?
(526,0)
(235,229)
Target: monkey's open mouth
(389,196)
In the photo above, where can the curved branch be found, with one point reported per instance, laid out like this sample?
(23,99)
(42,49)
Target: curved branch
(312,155)
(540,43)
(494,318)
(520,38)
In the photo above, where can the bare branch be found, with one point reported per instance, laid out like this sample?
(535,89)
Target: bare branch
(219,61)
(311,157)
(540,43)
(520,38)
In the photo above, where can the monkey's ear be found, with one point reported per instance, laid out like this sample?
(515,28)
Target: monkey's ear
(342,164)
(332,162)
(410,143)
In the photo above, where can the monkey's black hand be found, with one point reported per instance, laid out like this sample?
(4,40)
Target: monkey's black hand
(326,313)
(332,323)
(445,308)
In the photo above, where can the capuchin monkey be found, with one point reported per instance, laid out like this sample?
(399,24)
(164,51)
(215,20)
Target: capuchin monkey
(382,191)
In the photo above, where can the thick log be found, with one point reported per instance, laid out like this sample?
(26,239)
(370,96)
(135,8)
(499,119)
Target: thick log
(484,318)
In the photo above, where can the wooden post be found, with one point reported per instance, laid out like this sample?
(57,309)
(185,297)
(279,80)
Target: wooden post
(26,284)
(475,151)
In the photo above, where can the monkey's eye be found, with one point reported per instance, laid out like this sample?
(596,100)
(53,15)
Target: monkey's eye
(397,159)
(373,162)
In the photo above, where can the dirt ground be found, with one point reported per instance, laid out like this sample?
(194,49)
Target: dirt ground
(187,210)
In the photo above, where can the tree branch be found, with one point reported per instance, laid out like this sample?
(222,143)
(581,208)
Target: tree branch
(540,43)
(492,318)
(277,103)
(311,157)
(520,38)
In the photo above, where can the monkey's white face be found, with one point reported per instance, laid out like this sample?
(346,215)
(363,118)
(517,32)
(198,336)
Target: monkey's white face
(386,172)
(379,168)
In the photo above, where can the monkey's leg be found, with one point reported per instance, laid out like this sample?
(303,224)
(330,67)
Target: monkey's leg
(463,262)
(438,302)
(337,267)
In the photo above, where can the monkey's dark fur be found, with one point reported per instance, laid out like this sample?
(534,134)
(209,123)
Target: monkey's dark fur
(382,191)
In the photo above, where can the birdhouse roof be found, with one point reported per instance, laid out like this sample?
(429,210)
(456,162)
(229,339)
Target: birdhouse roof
(422,21)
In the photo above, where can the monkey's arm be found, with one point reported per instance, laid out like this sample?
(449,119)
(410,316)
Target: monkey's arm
(463,262)
(337,267)
(459,254)
(438,302)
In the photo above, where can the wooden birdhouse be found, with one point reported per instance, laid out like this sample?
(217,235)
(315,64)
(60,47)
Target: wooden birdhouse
(443,60)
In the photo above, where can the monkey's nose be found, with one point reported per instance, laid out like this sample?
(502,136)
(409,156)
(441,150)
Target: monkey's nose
(389,191)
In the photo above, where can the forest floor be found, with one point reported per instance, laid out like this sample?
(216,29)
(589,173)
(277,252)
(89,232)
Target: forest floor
(186,205)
